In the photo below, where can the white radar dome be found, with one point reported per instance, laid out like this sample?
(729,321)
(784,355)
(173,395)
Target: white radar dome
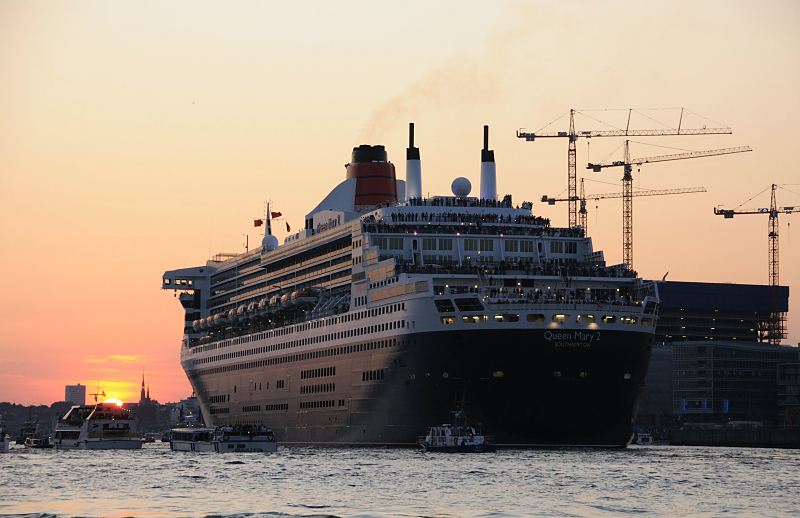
(269,243)
(461,187)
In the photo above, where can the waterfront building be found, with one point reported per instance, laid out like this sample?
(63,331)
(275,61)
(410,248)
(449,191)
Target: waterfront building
(789,394)
(691,311)
(715,381)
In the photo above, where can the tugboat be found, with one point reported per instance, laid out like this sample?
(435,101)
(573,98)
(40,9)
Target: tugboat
(225,439)
(457,438)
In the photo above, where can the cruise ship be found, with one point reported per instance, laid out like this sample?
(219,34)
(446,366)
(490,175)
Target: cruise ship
(389,308)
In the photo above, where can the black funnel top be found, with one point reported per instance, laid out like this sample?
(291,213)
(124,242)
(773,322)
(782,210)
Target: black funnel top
(412,153)
(367,153)
(487,155)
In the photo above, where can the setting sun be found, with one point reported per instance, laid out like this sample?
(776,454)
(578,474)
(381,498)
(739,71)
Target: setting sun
(113,400)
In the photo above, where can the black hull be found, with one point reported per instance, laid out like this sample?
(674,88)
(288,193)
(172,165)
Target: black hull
(572,390)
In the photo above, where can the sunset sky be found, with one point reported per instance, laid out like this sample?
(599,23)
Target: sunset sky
(137,137)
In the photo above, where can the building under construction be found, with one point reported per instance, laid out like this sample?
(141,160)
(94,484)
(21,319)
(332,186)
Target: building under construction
(712,360)
(691,311)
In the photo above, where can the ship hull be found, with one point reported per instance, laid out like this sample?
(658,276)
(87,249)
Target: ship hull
(527,387)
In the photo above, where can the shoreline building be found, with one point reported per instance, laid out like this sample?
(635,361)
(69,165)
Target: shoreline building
(75,394)
(710,360)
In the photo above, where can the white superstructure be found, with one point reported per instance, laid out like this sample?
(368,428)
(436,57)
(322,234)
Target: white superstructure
(103,426)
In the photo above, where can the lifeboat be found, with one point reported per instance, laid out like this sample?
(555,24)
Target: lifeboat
(263,304)
(286,300)
(274,302)
(251,311)
(232,315)
(305,297)
(196,325)
(240,312)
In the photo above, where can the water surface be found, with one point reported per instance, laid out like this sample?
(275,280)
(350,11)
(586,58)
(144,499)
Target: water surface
(647,481)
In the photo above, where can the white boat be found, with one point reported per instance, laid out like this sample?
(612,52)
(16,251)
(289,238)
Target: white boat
(457,438)
(104,426)
(226,439)
(37,443)
(643,439)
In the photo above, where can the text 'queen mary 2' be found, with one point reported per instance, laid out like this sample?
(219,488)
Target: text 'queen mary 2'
(388,308)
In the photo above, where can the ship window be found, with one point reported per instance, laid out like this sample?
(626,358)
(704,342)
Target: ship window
(448,320)
(445,244)
(444,306)
(535,317)
(471,319)
(429,243)
(585,319)
(647,321)
(487,245)
(470,304)
(571,247)
(526,245)
(628,319)
(556,247)
(511,245)
(470,244)
(560,317)
(506,318)
(609,319)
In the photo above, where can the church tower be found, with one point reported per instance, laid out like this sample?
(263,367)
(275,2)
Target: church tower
(143,395)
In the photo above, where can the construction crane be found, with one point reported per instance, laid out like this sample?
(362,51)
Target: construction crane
(582,198)
(627,185)
(776,329)
(572,135)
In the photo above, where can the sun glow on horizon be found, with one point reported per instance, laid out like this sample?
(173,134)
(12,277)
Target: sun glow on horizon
(113,400)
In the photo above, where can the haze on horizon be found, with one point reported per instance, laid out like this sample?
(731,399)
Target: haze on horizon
(146,136)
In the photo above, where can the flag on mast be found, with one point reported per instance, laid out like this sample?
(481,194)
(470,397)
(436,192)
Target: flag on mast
(276,214)
(258,222)
(288,228)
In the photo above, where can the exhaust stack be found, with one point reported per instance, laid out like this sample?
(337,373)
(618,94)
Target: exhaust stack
(413,167)
(374,174)
(488,169)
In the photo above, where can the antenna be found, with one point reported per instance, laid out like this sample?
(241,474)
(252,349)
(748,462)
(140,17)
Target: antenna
(98,392)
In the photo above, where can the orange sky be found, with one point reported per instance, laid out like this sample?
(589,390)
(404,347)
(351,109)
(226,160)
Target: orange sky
(145,136)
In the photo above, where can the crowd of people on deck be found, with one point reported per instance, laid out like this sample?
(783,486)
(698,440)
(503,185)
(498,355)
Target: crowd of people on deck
(457,201)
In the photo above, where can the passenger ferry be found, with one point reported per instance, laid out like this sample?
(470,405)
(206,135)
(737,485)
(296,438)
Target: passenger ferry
(225,439)
(364,326)
(103,426)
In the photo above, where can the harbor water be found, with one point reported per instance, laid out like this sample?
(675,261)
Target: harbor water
(649,481)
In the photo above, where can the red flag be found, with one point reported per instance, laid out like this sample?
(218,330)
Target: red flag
(258,222)
(288,229)
(276,214)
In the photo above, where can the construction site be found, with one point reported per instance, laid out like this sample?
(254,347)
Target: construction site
(720,371)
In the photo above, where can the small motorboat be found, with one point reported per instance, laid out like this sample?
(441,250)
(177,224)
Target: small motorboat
(643,439)
(457,438)
(35,442)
